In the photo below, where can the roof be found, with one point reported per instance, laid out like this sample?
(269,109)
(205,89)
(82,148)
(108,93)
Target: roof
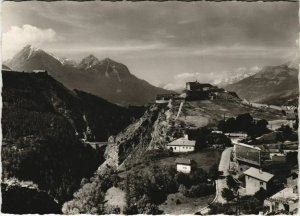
(287,194)
(258,174)
(182,142)
(200,84)
(183,161)
(269,136)
(247,146)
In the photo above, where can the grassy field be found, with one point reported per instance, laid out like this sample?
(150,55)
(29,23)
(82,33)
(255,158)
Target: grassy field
(206,112)
(204,159)
(186,206)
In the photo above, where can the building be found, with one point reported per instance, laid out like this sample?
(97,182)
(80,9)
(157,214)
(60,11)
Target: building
(183,165)
(284,202)
(196,86)
(165,98)
(40,71)
(278,158)
(237,135)
(256,179)
(247,154)
(182,145)
(269,138)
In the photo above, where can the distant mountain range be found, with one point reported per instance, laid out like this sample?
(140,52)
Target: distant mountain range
(235,78)
(105,78)
(276,85)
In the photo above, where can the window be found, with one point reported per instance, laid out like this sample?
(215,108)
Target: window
(261,183)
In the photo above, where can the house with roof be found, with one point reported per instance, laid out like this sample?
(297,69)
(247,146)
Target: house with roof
(247,154)
(269,138)
(183,165)
(196,86)
(283,202)
(256,179)
(182,145)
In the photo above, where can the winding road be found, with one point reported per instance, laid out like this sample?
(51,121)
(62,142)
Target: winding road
(221,182)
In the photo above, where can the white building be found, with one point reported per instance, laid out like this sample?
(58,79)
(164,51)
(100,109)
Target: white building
(182,145)
(183,165)
(237,135)
(256,179)
(284,202)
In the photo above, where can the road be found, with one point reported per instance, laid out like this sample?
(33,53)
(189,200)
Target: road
(223,167)
(221,182)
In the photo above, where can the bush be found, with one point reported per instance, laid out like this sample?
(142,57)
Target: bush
(231,183)
(200,190)
(228,194)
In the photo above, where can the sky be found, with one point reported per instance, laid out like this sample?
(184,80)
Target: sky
(165,43)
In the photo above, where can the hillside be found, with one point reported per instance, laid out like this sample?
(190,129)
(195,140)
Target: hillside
(140,149)
(277,85)
(42,124)
(107,79)
(159,124)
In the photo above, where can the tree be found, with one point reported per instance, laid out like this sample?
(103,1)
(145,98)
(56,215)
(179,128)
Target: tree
(219,208)
(231,125)
(213,172)
(261,194)
(250,205)
(232,184)
(201,137)
(244,121)
(228,194)
(222,126)
(182,189)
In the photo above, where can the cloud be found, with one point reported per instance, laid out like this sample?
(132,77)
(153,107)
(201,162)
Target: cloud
(255,69)
(17,37)
(185,76)
(241,70)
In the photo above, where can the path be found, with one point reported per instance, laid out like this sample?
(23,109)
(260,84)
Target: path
(223,167)
(221,182)
(179,110)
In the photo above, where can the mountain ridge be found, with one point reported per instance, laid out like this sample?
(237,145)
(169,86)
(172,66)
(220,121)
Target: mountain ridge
(105,78)
(277,85)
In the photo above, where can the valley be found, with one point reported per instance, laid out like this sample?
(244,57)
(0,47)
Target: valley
(118,148)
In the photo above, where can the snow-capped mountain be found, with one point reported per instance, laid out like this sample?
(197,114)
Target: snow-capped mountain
(105,78)
(237,76)
(276,85)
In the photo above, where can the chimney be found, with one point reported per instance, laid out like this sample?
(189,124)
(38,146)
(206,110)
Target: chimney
(260,171)
(186,136)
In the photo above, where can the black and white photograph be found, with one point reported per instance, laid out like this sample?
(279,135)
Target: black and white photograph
(149,107)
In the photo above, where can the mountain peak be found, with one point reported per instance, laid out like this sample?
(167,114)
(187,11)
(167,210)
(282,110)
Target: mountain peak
(107,60)
(88,61)
(28,50)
